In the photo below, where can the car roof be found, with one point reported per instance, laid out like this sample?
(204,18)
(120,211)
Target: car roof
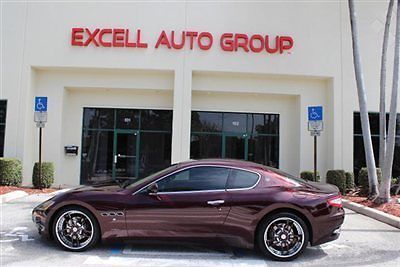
(223,162)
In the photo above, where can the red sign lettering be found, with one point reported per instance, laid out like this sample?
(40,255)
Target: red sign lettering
(229,42)
(106,38)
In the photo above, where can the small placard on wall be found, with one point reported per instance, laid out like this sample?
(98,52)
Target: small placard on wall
(71,150)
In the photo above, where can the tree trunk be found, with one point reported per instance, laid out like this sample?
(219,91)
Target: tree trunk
(362,100)
(391,136)
(382,106)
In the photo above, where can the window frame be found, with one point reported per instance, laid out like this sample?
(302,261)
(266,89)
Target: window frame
(243,188)
(115,130)
(248,134)
(144,188)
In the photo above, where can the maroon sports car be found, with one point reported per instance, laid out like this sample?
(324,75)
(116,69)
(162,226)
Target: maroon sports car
(241,203)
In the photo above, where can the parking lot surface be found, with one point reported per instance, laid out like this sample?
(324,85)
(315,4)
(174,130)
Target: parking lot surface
(363,242)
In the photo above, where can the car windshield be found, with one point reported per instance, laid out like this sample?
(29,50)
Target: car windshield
(151,176)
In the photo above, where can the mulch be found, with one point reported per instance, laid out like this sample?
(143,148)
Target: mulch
(8,189)
(393,207)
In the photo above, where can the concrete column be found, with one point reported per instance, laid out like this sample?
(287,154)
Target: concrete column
(181,115)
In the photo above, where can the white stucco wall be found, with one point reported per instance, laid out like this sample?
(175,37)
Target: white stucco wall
(38,59)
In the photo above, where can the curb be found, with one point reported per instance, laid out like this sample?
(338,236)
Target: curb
(373,213)
(12,195)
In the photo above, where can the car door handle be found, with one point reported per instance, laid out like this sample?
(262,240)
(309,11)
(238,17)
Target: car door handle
(215,202)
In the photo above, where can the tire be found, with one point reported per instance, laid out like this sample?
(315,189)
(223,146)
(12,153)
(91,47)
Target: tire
(75,229)
(282,236)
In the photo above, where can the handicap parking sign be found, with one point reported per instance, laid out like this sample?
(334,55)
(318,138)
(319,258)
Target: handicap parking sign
(41,103)
(315,113)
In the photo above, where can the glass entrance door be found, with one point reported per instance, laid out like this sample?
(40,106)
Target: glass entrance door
(235,146)
(125,155)
(124,143)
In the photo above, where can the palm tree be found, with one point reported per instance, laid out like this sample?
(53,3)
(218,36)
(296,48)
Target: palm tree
(387,171)
(362,100)
(382,106)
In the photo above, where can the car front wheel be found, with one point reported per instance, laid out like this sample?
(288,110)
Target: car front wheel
(282,236)
(75,229)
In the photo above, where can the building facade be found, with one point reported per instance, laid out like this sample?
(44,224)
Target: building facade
(138,86)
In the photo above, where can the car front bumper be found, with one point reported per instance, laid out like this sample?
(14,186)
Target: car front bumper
(39,218)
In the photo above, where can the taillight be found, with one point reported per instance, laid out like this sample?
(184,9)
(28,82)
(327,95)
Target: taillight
(336,201)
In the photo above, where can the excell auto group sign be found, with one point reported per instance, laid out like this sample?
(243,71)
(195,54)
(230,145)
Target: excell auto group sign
(230,42)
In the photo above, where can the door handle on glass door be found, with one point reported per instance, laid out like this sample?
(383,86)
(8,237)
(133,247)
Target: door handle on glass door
(215,202)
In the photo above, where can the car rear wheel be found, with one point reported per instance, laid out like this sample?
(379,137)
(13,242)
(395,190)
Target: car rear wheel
(75,229)
(282,236)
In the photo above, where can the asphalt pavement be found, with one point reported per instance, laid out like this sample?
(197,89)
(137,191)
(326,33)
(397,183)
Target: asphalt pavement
(363,242)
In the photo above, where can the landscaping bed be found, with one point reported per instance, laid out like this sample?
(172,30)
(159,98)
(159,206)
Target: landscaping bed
(8,189)
(393,207)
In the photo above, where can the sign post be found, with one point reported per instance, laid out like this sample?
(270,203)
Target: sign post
(40,118)
(315,126)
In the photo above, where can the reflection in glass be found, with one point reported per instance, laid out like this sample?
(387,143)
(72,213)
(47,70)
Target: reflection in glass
(206,121)
(359,155)
(155,152)
(263,123)
(127,119)
(396,161)
(205,146)
(195,179)
(232,140)
(2,134)
(374,123)
(3,111)
(242,179)
(358,151)
(98,118)
(97,156)
(160,120)
(235,122)
(134,133)
(264,150)
(234,147)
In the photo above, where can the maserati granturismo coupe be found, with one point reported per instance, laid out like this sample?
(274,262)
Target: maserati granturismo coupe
(239,203)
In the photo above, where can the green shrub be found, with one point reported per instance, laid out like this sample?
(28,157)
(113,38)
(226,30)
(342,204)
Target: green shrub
(338,178)
(47,175)
(349,180)
(395,186)
(363,178)
(309,175)
(10,171)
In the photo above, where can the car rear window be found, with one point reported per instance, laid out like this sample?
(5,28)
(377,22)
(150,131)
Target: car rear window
(242,179)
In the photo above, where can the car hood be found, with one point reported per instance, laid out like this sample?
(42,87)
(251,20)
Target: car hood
(106,186)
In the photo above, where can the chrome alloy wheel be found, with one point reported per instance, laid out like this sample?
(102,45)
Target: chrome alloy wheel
(284,237)
(74,229)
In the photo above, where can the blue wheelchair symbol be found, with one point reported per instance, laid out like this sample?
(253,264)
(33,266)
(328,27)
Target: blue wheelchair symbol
(41,104)
(315,113)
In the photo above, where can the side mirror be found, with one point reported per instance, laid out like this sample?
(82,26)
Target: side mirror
(152,190)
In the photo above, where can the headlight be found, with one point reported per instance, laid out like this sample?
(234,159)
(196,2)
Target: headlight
(45,205)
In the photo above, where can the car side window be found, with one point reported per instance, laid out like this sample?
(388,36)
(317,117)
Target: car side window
(195,179)
(242,179)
